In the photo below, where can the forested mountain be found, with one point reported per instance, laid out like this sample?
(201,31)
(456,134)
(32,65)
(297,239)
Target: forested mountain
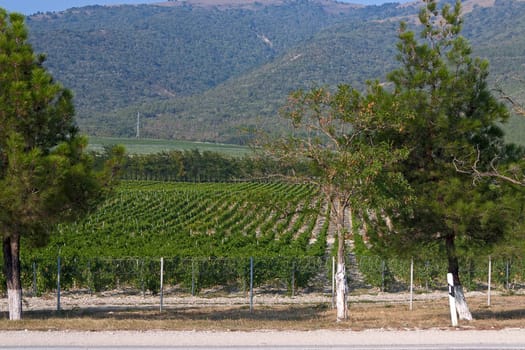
(203,70)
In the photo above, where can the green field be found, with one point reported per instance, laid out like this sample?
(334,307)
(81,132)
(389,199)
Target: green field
(150,146)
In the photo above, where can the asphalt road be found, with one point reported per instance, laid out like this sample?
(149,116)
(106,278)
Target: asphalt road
(351,347)
(509,339)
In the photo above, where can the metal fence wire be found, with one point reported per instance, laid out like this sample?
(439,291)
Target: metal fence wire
(279,275)
(287,275)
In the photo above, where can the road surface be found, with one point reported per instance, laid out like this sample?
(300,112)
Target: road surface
(508,339)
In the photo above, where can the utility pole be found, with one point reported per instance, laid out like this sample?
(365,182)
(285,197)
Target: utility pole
(138,125)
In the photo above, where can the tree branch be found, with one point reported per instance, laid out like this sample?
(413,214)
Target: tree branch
(516,106)
(493,173)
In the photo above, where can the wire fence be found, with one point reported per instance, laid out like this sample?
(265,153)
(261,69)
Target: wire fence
(191,276)
(391,275)
(285,276)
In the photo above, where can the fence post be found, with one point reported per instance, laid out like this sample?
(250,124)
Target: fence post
(427,274)
(411,282)
(383,275)
(34,279)
(333,282)
(140,267)
(293,279)
(192,277)
(251,284)
(58,283)
(161,282)
(507,271)
(489,280)
(90,279)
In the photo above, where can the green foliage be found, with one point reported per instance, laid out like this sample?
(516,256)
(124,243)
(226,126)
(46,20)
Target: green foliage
(336,133)
(450,117)
(153,219)
(194,166)
(170,51)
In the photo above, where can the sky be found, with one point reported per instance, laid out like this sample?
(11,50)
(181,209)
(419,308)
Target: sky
(28,7)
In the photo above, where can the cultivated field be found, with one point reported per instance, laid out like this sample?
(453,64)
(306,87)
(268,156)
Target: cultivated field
(210,235)
(152,146)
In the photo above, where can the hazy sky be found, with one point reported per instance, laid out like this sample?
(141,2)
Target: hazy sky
(29,7)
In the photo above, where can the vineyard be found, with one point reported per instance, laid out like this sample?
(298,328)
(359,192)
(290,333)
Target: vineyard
(210,233)
(194,226)
(154,219)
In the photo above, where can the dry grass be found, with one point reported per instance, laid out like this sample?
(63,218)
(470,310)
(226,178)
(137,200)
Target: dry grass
(505,312)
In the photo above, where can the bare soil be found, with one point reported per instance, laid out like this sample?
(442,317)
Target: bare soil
(383,311)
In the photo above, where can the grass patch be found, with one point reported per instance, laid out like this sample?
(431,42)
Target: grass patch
(152,146)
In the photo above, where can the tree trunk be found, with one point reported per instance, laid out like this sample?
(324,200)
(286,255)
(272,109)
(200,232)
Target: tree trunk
(11,249)
(340,277)
(453,268)
(340,280)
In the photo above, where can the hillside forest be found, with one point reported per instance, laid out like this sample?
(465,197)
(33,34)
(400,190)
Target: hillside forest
(216,73)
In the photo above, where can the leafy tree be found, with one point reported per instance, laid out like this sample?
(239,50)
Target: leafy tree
(450,115)
(334,133)
(45,176)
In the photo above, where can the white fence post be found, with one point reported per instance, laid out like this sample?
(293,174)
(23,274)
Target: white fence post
(192,277)
(383,267)
(333,282)
(35,291)
(251,284)
(293,278)
(489,280)
(58,283)
(161,282)
(411,283)
(507,272)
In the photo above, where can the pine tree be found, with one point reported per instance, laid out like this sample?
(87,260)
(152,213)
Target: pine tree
(450,115)
(45,175)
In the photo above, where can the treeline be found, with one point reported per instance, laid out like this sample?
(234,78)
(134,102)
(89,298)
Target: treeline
(197,166)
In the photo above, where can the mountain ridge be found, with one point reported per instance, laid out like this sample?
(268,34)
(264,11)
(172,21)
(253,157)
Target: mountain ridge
(254,4)
(203,73)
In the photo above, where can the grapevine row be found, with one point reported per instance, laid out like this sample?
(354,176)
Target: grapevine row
(181,219)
